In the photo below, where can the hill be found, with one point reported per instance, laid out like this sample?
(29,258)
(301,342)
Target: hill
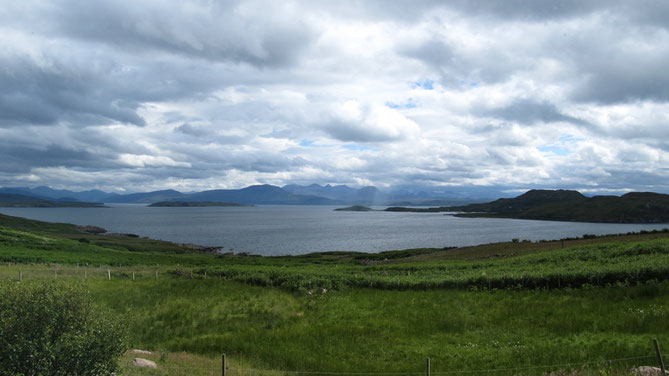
(26,201)
(565,205)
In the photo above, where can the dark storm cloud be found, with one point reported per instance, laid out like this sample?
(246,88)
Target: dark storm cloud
(219,31)
(527,111)
(353,132)
(44,95)
(624,79)
(463,68)
(191,130)
(533,10)
(21,158)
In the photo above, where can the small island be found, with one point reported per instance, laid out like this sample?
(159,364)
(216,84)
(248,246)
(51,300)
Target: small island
(199,204)
(357,208)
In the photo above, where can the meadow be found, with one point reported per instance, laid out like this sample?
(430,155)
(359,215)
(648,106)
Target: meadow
(589,305)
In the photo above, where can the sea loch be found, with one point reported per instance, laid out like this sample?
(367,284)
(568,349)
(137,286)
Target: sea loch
(283,230)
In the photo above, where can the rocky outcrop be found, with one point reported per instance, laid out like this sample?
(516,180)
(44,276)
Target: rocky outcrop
(144,363)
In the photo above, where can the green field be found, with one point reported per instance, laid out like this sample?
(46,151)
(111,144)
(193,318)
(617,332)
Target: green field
(506,308)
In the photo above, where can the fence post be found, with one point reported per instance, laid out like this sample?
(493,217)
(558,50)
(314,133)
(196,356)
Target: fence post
(659,355)
(224,366)
(108,275)
(20,275)
(427,369)
(133,276)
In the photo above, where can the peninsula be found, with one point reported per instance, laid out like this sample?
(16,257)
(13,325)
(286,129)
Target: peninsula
(566,205)
(9,200)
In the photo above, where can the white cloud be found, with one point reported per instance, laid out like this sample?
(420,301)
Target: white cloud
(197,95)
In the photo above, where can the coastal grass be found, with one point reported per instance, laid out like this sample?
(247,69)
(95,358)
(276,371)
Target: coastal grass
(509,308)
(372,330)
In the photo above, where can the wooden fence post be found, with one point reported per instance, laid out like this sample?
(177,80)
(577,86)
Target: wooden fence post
(156,274)
(133,276)
(20,275)
(108,275)
(224,366)
(659,355)
(427,369)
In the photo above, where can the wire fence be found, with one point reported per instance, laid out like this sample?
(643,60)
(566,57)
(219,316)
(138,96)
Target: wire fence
(22,272)
(639,365)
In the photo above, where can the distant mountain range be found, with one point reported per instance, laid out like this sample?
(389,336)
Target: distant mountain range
(267,195)
(565,205)
(559,205)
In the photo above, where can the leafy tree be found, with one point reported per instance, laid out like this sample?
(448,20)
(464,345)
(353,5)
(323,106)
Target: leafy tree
(53,329)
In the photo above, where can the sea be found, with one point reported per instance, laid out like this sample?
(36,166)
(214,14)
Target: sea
(293,230)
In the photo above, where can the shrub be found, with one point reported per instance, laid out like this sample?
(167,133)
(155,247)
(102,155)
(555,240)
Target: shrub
(53,329)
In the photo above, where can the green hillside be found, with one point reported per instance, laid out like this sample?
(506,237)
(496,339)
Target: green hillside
(563,205)
(17,200)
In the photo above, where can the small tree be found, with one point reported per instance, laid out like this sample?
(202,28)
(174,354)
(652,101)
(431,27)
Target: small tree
(52,329)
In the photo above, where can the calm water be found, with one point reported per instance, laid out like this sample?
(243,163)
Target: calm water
(281,230)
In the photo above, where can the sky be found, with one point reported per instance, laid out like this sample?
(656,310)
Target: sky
(192,95)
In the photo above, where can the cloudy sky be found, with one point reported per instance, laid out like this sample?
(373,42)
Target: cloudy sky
(154,94)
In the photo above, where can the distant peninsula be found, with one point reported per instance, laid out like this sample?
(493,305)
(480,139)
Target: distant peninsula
(566,205)
(357,208)
(187,204)
(8,200)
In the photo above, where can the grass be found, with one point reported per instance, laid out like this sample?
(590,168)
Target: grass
(502,306)
(374,330)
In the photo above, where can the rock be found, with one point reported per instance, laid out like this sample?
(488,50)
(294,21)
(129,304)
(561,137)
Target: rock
(142,352)
(91,229)
(145,363)
(647,371)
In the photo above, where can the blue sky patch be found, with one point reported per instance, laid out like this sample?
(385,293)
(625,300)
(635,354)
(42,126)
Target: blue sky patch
(424,84)
(356,147)
(307,143)
(554,149)
(408,104)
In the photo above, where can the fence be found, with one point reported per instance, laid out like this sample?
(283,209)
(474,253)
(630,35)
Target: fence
(621,366)
(21,272)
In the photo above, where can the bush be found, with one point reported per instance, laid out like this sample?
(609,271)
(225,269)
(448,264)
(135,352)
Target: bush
(53,329)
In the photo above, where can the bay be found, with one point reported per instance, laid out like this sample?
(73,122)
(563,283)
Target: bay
(284,230)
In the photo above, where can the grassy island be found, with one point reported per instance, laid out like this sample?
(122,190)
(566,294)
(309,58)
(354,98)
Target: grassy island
(357,208)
